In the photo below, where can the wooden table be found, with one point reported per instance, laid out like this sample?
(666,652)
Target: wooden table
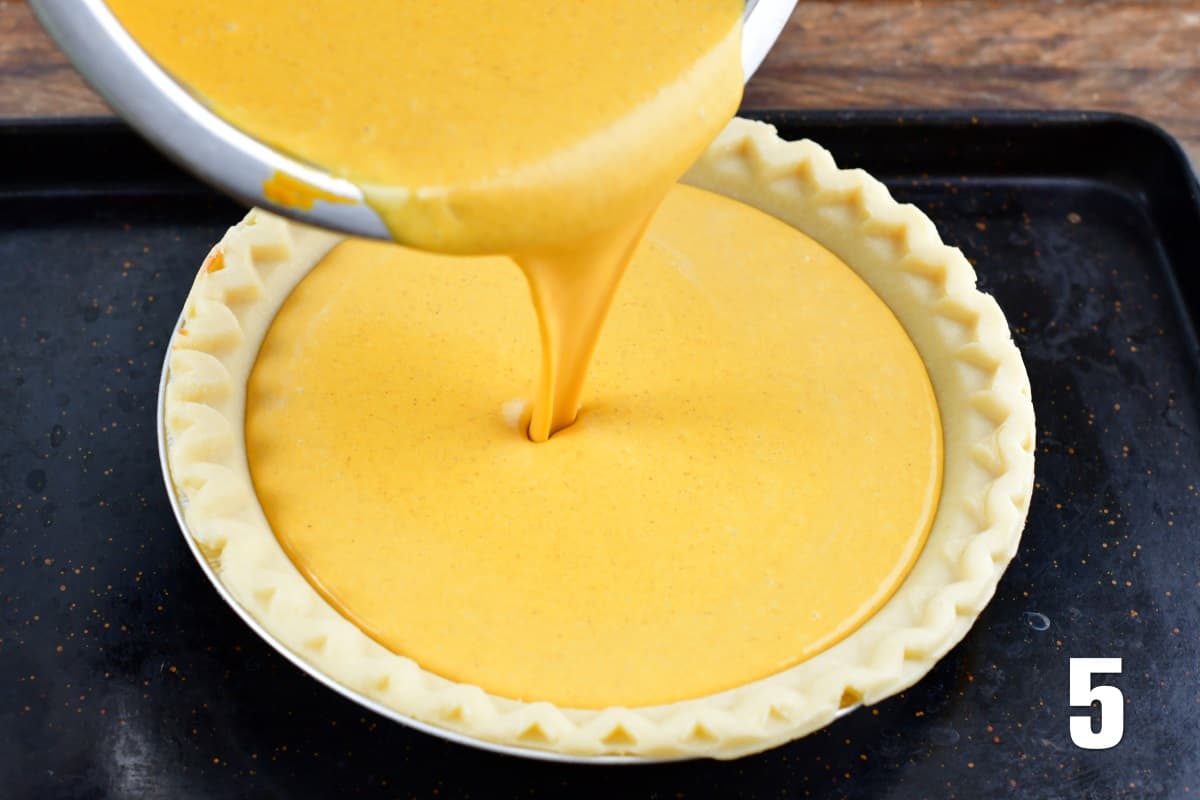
(1137,57)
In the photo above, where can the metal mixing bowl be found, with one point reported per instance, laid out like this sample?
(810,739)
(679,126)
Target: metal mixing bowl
(181,126)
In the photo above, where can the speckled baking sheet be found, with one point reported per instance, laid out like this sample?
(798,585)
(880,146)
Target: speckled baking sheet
(122,674)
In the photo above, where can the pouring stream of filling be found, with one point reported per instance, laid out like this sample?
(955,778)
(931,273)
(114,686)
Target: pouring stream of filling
(548,131)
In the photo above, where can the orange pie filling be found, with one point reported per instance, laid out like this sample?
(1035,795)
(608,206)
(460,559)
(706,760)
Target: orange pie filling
(754,471)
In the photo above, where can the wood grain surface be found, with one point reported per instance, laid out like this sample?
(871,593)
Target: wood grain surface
(1136,57)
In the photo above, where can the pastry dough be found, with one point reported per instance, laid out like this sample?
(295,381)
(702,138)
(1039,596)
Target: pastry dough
(988,428)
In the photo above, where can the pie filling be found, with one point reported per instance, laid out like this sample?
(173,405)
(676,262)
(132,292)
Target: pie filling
(754,470)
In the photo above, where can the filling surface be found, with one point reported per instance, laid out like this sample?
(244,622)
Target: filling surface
(754,474)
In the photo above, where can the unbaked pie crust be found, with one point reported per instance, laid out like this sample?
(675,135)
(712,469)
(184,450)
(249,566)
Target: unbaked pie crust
(988,429)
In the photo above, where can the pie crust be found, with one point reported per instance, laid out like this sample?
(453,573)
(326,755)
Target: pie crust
(988,427)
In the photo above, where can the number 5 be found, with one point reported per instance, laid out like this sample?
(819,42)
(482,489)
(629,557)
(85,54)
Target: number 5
(1112,704)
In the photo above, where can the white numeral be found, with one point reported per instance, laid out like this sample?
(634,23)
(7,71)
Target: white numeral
(1112,704)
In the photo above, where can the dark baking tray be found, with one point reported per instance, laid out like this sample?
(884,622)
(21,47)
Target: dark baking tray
(123,674)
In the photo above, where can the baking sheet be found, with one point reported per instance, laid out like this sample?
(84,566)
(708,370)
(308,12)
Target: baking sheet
(122,673)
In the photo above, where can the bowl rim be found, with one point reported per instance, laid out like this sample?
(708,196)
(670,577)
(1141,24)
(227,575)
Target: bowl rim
(195,138)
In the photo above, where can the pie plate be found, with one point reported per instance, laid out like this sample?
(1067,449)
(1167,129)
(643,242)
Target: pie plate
(988,424)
